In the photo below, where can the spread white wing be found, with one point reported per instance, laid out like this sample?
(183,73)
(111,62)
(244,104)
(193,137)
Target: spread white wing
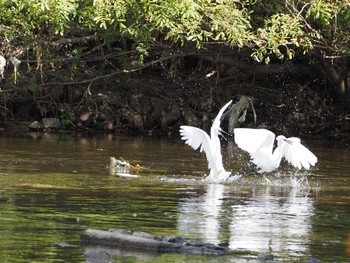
(258,143)
(196,138)
(297,154)
(254,140)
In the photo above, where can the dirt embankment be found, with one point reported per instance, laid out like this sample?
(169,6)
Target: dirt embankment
(155,101)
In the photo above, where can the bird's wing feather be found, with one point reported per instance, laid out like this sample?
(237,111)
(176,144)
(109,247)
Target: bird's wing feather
(258,143)
(216,122)
(196,138)
(297,154)
(253,140)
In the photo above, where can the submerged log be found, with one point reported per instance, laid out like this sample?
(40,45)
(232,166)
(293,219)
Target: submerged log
(135,240)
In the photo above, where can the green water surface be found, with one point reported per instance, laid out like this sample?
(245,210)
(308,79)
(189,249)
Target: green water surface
(53,187)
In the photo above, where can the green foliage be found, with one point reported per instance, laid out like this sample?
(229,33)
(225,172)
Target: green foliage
(281,32)
(321,11)
(66,119)
(180,23)
(270,28)
(111,13)
(230,23)
(30,17)
(33,85)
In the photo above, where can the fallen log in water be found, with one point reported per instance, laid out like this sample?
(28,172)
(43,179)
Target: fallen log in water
(134,240)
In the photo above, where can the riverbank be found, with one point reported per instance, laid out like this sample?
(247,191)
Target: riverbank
(151,103)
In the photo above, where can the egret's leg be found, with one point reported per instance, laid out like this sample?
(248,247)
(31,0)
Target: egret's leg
(266,179)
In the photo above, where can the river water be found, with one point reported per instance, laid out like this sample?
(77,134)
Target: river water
(54,186)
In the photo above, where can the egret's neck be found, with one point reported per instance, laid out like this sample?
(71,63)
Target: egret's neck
(214,136)
(277,156)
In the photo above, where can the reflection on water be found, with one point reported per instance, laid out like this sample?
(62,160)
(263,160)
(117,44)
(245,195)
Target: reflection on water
(201,216)
(53,187)
(272,220)
(265,219)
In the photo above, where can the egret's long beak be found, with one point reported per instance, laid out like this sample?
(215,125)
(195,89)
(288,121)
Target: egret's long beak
(288,141)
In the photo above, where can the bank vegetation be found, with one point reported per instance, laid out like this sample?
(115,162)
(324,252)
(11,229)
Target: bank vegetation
(147,66)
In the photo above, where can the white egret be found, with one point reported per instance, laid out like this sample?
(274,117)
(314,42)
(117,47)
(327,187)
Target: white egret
(259,144)
(196,138)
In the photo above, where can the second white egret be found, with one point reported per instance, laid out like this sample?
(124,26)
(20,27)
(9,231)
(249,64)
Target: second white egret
(259,144)
(196,138)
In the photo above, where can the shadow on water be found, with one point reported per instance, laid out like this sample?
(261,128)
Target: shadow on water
(53,187)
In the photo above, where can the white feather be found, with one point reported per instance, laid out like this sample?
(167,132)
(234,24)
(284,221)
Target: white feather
(259,144)
(197,138)
(297,154)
